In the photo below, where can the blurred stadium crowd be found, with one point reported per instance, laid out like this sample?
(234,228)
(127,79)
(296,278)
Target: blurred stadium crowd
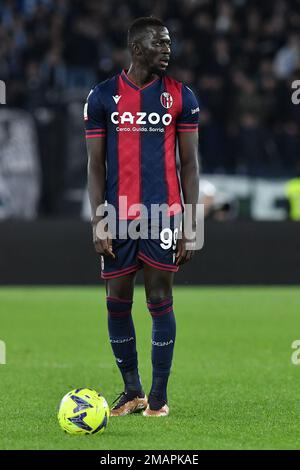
(239,56)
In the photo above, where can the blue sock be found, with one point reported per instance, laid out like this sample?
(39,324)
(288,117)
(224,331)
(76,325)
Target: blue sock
(163,340)
(122,340)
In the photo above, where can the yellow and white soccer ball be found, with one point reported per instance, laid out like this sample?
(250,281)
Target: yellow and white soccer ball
(83,411)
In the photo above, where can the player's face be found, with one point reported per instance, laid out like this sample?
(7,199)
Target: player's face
(156,50)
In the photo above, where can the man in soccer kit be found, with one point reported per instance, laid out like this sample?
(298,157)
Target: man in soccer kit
(133,122)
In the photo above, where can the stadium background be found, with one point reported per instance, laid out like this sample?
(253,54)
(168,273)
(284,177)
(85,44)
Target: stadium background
(240,57)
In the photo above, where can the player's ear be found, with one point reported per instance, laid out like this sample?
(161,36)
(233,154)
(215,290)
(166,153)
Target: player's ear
(136,49)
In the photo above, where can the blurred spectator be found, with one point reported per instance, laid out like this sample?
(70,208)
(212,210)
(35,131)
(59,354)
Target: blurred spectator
(287,58)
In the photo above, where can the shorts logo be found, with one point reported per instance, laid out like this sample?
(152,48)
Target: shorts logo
(166,100)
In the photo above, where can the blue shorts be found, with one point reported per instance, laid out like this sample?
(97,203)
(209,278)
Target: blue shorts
(154,244)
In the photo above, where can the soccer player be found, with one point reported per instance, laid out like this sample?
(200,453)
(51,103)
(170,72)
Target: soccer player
(133,121)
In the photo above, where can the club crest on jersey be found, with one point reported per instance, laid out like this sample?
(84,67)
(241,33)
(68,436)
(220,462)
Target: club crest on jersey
(166,100)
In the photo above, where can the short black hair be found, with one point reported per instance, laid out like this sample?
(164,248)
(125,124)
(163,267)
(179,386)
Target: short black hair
(138,27)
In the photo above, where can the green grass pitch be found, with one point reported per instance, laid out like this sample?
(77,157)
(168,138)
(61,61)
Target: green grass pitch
(233,385)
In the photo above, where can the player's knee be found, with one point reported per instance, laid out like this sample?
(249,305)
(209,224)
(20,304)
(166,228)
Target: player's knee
(159,293)
(119,295)
(119,291)
(158,296)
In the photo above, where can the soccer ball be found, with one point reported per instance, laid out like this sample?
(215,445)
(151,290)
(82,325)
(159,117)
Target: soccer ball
(83,411)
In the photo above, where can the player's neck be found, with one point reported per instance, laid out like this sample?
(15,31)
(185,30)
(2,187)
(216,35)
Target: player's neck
(139,75)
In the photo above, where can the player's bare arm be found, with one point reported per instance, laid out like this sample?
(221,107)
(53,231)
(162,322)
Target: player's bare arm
(96,149)
(189,175)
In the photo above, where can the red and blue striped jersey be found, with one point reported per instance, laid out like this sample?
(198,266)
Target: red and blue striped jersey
(140,126)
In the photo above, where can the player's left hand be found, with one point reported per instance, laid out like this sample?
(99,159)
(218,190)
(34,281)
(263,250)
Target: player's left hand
(183,255)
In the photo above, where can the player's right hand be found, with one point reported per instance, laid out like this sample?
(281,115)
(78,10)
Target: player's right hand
(103,246)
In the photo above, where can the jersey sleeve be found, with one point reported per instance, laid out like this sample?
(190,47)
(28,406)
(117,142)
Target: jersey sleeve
(188,120)
(94,115)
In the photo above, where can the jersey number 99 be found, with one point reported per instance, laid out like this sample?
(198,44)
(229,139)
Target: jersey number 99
(168,238)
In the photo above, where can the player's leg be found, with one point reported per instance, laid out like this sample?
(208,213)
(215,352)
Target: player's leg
(119,293)
(158,288)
